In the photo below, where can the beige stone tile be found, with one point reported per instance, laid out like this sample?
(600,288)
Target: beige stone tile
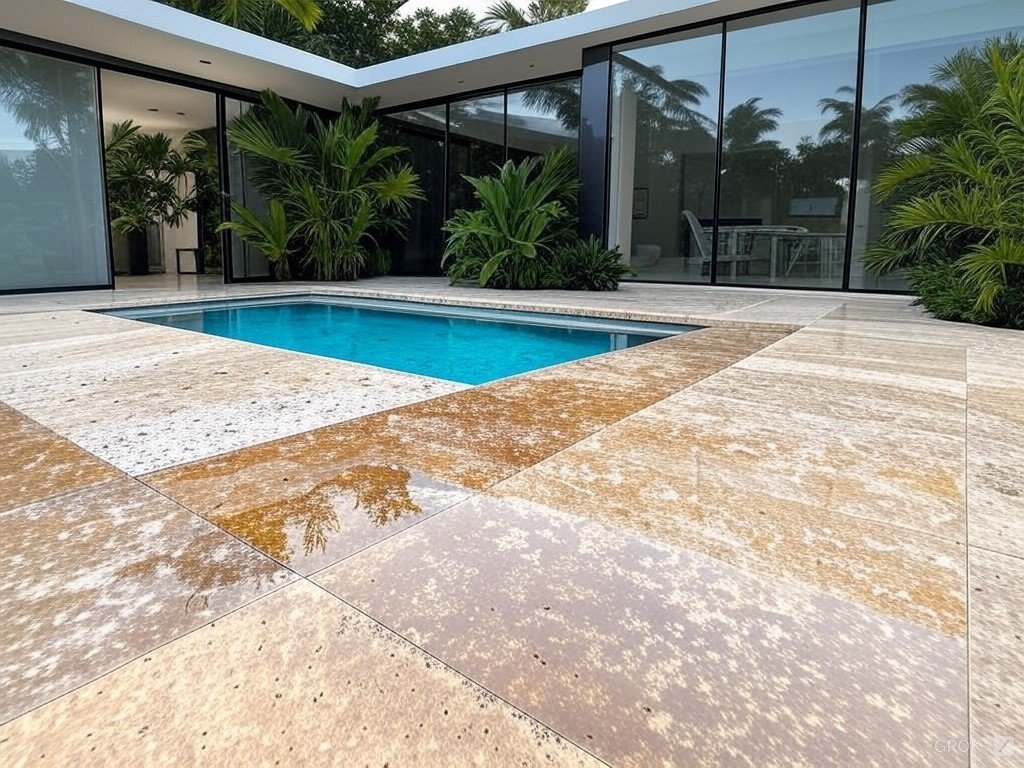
(156,397)
(47,331)
(652,654)
(37,464)
(472,438)
(314,498)
(297,678)
(997,659)
(995,447)
(91,579)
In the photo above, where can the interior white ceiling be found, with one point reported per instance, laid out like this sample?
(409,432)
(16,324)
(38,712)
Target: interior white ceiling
(180,110)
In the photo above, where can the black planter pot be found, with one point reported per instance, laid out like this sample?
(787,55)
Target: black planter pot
(138,254)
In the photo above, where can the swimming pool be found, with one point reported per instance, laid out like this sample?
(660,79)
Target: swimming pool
(461,344)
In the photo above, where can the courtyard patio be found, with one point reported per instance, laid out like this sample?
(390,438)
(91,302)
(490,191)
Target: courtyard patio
(793,537)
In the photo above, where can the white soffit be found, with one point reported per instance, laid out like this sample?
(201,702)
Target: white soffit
(152,34)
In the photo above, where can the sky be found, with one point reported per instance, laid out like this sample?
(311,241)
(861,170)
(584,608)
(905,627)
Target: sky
(479,7)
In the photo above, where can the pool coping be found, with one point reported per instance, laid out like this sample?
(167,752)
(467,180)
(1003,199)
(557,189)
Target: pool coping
(597,324)
(583,308)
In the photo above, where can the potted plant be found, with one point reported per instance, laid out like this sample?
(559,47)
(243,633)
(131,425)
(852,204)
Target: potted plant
(148,184)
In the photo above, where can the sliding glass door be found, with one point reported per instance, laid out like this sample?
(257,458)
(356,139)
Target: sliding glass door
(247,263)
(787,146)
(664,140)
(53,222)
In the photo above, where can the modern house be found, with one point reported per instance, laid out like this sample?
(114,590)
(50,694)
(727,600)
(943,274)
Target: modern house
(729,142)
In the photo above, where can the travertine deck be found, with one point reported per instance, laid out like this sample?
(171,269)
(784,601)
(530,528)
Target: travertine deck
(794,538)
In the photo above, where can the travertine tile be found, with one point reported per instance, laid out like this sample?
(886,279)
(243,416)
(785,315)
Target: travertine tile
(297,678)
(997,659)
(995,446)
(93,578)
(727,476)
(472,438)
(36,464)
(652,654)
(357,506)
(309,500)
(155,397)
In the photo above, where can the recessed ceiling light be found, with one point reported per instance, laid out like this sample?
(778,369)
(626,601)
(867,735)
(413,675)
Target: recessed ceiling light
(180,114)
(153,109)
(205,61)
(461,82)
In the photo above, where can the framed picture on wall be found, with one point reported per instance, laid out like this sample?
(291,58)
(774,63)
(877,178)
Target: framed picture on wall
(641,202)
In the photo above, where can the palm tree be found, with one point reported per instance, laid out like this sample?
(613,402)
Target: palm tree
(747,124)
(958,190)
(251,15)
(506,15)
(269,234)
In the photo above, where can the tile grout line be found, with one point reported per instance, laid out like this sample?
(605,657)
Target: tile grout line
(142,655)
(455,670)
(301,577)
(308,579)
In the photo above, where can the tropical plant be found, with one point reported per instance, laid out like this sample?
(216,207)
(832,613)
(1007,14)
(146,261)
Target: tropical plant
(524,213)
(269,234)
(201,150)
(505,15)
(957,192)
(340,187)
(358,33)
(586,265)
(251,15)
(148,181)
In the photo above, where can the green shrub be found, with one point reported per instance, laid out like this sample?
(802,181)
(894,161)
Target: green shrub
(956,220)
(377,264)
(586,265)
(525,212)
(340,186)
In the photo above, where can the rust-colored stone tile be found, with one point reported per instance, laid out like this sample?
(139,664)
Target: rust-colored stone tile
(304,500)
(296,679)
(472,438)
(360,505)
(37,463)
(93,578)
(997,659)
(653,654)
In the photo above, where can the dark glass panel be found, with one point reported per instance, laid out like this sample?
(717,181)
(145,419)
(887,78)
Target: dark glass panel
(418,251)
(787,144)
(543,117)
(906,40)
(664,133)
(476,145)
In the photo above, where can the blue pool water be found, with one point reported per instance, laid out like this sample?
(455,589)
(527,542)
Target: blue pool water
(457,344)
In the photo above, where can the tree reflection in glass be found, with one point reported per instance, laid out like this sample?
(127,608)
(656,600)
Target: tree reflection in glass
(51,194)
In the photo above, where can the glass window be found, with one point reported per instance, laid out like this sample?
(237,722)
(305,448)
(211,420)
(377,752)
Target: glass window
(246,262)
(790,82)
(418,252)
(543,117)
(664,133)
(52,217)
(906,39)
(477,145)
